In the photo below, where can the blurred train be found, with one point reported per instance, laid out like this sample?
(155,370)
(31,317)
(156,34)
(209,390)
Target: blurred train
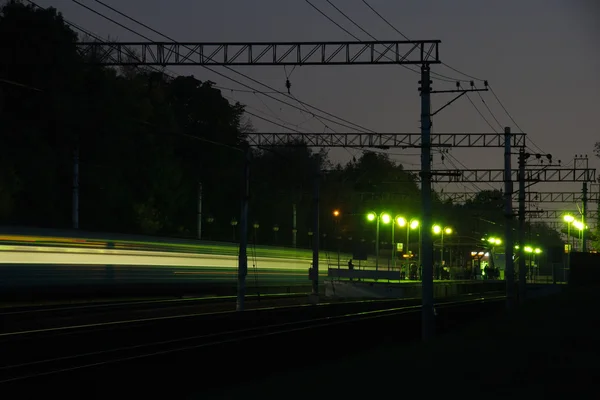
(39,266)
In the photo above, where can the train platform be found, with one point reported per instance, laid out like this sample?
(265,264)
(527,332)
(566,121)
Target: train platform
(548,347)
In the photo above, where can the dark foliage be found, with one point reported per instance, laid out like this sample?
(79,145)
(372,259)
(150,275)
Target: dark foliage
(145,142)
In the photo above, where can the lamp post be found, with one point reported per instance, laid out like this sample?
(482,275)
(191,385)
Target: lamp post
(412,224)
(401,221)
(569,220)
(536,251)
(529,250)
(438,230)
(579,225)
(385,218)
(494,241)
(336,217)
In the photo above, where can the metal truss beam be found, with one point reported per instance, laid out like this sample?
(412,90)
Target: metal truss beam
(259,53)
(382,140)
(381,196)
(497,175)
(532,197)
(555,214)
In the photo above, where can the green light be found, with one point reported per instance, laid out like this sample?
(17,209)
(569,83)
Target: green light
(414,224)
(386,219)
(437,229)
(538,251)
(401,221)
(578,225)
(371,216)
(494,241)
(448,231)
(568,219)
(528,249)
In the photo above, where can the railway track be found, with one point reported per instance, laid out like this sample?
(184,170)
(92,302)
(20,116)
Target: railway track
(17,319)
(139,347)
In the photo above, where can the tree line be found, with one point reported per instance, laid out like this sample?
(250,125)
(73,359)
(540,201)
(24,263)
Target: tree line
(146,141)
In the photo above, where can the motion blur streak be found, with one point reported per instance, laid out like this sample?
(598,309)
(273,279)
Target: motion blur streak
(77,256)
(53,264)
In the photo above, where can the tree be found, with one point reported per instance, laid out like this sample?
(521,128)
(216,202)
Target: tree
(145,140)
(280,178)
(40,62)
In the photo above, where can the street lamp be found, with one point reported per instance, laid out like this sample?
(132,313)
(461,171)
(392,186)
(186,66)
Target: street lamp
(438,230)
(401,221)
(569,219)
(580,226)
(336,217)
(412,224)
(532,253)
(494,241)
(385,218)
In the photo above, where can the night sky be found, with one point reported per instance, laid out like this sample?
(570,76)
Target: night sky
(540,56)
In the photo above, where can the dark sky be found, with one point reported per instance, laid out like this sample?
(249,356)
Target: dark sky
(540,56)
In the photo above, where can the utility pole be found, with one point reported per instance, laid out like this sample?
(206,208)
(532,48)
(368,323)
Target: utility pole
(584,205)
(522,271)
(75,217)
(243,256)
(294,227)
(199,210)
(509,270)
(316,234)
(427,316)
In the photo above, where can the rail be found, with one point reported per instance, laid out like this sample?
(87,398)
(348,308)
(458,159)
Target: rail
(229,334)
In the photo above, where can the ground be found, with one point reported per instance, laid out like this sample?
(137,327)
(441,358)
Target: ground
(549,347)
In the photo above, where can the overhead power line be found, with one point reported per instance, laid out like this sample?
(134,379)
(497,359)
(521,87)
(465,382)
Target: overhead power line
(438,75)
(98,38)
(345,123)
(20,85)
(385,20)
(513,120)
(460,72)
(304,105)
(406,37)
